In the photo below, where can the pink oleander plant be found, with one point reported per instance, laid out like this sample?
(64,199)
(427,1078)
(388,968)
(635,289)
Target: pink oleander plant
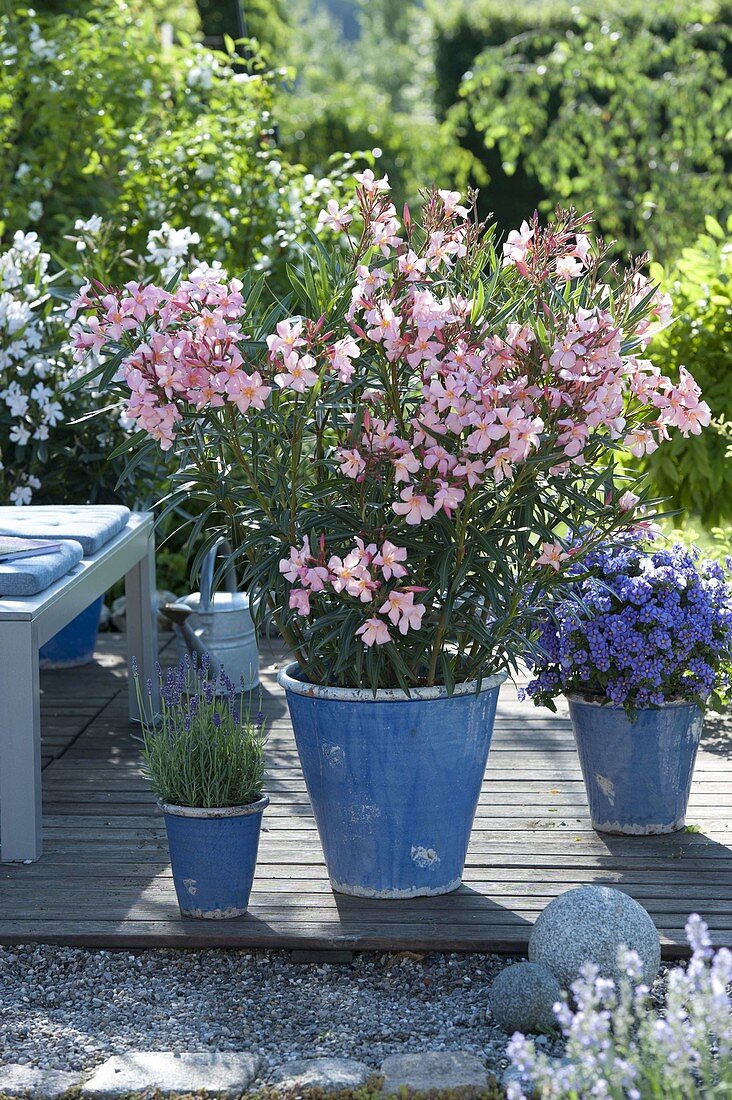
(411,450)
(619,1047)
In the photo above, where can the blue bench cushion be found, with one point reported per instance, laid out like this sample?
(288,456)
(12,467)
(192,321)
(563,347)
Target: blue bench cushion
(91,525)
(28,576)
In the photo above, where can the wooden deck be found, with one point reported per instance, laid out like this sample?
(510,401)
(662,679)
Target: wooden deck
(104,878)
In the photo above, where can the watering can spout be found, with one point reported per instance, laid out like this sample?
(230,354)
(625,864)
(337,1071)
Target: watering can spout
(219,624)
(178,614)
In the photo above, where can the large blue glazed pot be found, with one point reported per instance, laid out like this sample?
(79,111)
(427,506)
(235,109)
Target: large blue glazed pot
(393,780)
(213,853)
(637,772)
(73,646)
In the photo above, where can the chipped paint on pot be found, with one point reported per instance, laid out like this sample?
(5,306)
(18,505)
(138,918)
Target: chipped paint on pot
(393,779)
(637,772)
(213,854)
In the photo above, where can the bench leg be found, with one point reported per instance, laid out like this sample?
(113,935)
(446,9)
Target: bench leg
(20,743)
(142,634)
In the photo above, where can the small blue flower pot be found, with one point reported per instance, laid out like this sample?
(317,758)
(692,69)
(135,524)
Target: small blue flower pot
(637,773)
(213,853)
(393,780)
(73,646)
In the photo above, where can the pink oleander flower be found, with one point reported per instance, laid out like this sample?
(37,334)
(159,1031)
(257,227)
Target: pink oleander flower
(389,560)
(293,566)
(336,217)
(142,301)
(298,374)
(552,554)
(249,391)
(640,442)
(628,501)
(451,199)
(401,610)
(352,463)
(374,632)
(413,506)
(286,337)
(370,184)
(300,602)
(517,244)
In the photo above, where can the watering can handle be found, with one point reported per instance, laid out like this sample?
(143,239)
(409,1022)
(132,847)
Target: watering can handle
(207,573)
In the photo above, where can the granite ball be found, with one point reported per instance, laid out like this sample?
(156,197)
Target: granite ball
(589,924)
(523,996)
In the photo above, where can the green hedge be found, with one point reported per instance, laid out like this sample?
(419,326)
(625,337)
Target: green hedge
(620,106)
(696,473)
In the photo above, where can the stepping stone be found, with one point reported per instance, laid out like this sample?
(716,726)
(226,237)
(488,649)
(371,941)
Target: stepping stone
(41,1084)
(162,1071)
(439,1070)
(328,1074)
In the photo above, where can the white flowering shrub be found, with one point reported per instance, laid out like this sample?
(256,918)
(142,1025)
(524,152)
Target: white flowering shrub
(619,1048)
(33,369)
(170,137)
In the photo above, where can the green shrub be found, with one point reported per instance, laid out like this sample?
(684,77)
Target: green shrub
(98,117)
(696,473)
(618,106)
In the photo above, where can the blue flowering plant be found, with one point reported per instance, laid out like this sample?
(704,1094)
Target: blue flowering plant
(204,748)
(641,625)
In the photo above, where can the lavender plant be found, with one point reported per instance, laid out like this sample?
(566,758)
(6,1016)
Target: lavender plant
(204,749)
(641,625)
(619,1048)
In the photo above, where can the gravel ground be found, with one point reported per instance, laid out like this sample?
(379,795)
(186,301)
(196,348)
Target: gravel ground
(68,1008)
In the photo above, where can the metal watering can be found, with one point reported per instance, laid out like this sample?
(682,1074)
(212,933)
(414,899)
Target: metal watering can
(219,624)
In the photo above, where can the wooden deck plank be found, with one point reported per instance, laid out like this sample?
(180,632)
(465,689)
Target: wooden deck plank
(104,879)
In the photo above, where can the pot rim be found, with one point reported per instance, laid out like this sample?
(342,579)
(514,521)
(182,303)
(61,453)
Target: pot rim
(215,811)
(287,680)
(602,701)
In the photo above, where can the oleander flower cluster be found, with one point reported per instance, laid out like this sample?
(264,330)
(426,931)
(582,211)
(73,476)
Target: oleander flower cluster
(422,389)
(618,1046)
(642,624)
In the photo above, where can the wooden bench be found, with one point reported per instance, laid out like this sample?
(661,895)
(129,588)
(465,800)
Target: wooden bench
(25,624)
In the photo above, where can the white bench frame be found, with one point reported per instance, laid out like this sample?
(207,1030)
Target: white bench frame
(26,622)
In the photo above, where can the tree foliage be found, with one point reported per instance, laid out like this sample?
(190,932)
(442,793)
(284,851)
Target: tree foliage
(372,94)
(618,106)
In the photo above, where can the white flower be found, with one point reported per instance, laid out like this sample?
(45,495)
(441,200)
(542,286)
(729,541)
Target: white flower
(91,226)
(21,494)
(52,413)
(35,210)
(19,434)
(41,393)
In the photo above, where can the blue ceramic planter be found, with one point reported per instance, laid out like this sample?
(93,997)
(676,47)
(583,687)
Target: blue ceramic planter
(74,645)
(393,780)
(637,773)
(213,854)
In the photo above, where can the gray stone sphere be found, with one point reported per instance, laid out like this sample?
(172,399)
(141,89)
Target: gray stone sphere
(523,996)
(589,924)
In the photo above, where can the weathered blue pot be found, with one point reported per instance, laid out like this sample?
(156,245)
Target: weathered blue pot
(213,853)
(637,773)
(393,780)
(73,646)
